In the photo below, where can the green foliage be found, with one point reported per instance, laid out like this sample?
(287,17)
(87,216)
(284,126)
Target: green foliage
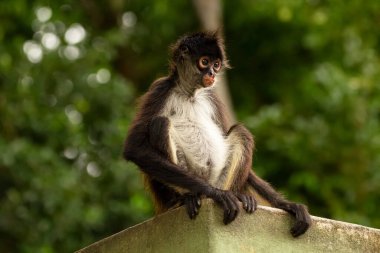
(309,76)
(305,81)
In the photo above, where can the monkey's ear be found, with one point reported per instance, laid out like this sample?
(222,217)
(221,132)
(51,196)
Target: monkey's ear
(226,64)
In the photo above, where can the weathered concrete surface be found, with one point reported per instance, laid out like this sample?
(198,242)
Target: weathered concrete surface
(266,230)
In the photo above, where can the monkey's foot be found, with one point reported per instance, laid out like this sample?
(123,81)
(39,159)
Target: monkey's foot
(229,202)
(248,201)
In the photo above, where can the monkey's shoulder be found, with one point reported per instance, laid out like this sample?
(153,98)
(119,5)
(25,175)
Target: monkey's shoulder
(162,85)
(154,99)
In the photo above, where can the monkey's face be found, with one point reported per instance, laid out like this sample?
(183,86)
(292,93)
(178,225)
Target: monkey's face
(198,58)
(198,71)
(209,68)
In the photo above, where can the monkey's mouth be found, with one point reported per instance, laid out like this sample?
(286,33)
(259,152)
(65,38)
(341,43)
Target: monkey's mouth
(208,81)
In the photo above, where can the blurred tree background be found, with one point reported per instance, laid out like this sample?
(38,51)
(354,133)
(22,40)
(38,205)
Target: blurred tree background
(306,81)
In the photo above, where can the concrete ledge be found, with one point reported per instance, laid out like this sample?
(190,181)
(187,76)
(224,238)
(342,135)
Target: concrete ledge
(266,230)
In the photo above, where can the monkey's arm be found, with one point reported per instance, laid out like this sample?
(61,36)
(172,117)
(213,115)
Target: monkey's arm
(153,160)
(161,141)
(299,211)
(220,113)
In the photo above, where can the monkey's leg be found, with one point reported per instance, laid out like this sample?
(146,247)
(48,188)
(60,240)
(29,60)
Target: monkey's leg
(303,220)
(160,139)
(239,162)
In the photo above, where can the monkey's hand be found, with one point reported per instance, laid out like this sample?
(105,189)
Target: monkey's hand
(228,201)
(248,201)
(192,203)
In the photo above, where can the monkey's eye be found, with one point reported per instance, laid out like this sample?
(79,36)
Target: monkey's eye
(204,62)
(216,66)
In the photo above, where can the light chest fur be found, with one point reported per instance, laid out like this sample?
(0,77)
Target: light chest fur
(199,144)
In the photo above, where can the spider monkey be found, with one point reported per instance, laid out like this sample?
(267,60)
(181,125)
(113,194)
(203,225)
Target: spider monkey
(182,142)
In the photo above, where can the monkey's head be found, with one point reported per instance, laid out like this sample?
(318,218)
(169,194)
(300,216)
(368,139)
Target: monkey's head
(198,58)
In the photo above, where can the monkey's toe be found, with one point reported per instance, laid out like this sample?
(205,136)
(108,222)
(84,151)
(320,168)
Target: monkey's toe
(230,215)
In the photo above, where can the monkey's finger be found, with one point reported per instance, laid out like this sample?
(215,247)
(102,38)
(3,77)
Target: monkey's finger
(190,208)
(194,204)
(249,204)
(233,208)
(242,199)
(198,201)
(254,204)
(245,201)
(226,211)
(230,215)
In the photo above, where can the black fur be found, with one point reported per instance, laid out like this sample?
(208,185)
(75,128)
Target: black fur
(199,44)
